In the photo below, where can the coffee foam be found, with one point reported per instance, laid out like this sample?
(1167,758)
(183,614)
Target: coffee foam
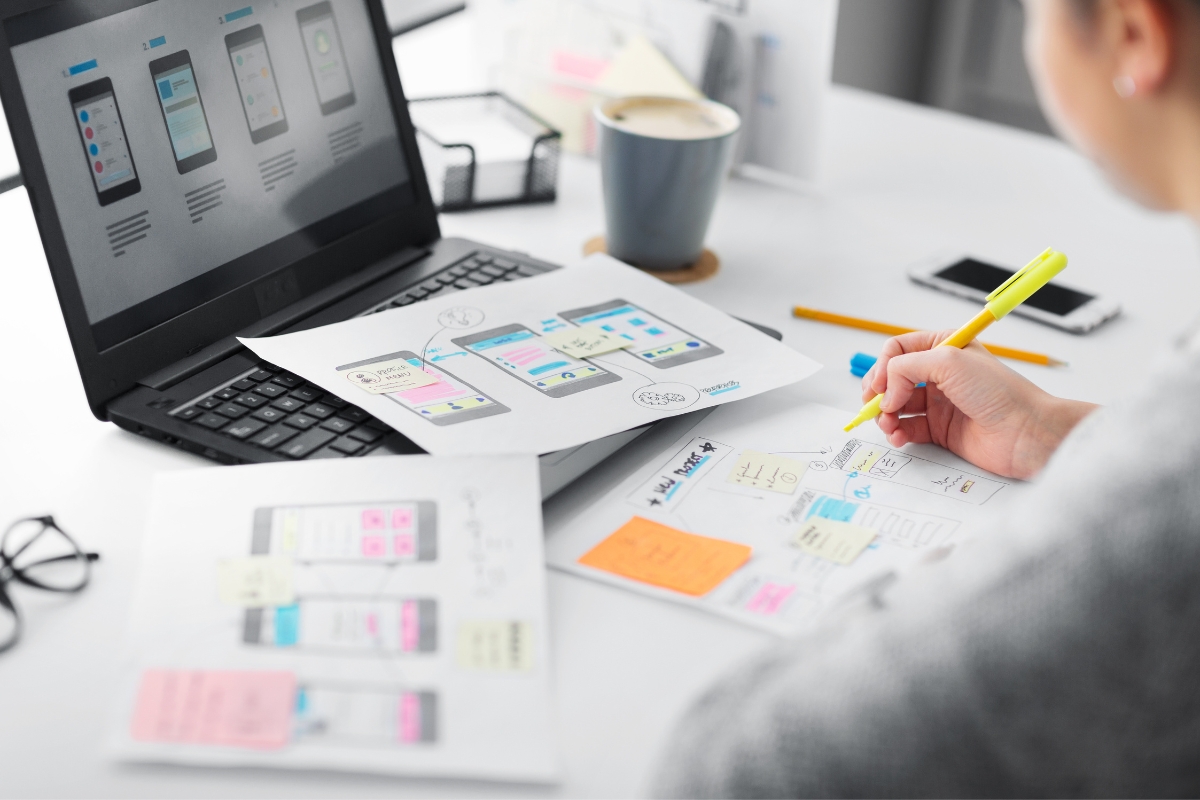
(670,118)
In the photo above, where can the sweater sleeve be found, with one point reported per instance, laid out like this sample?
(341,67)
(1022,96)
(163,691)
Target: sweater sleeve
(1058,654)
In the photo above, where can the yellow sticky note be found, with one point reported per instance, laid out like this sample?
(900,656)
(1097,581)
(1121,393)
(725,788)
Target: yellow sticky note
(835,541)
(865,459)
(765,471)
(495,645)
(663,556)
(384,377)
(256,581)
(585,341)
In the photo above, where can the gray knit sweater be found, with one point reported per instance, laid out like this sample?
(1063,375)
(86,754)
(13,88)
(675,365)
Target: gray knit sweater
(1057,655)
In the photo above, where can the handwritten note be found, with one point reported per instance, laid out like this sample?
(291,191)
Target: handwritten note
(586,341)
(495,646)
(835,541)
(384,377)
(666,488)
(765,471)
(227,708)
(652,553)
(256,581)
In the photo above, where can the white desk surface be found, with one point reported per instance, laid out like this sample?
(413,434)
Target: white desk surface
(900,182)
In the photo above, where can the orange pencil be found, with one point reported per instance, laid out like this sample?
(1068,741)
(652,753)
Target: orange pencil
(896,330)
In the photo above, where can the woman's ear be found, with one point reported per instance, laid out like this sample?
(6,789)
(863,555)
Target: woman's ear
(1141,36)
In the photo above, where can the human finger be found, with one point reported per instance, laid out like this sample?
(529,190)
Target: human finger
(915,342)
(910,369)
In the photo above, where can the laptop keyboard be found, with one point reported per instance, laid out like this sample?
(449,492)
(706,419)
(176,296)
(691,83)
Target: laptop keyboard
(272,409)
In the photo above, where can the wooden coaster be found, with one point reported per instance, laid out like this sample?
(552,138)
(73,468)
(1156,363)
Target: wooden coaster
(705,267)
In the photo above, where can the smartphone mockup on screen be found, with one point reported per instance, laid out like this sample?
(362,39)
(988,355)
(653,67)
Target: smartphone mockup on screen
(446,402)
(1054,304)
(102,133)
(526,356)
(365,715)
(256,83)
(654,341)
(385,533)
(326,57)
(183,111)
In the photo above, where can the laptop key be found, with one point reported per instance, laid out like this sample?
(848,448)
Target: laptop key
(480,278)
(251,400)
(527,271)
(492,270)
(244,385)
(338,425)
(190,412)
(232,411)
(375,424)
(366,435)
(269,414)
(504,264)
(431,285)
(274,436)
(244,428)
(288,379)
(320,411)
(269,367)
(209,403)
(259,376)
(228,393)
(333,401)
(347,445)
(301,421)
(457,271)
(288,404)
(354,414)
(326,452)
(270,390)
(307,393)
(212,421)
(306,443)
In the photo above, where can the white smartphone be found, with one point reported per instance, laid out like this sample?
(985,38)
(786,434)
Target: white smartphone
(1054,304)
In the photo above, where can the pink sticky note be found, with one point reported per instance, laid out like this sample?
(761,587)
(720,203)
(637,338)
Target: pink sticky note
(401,518)
(410,626)
(374,546)
(226,708)
(769,598)
(410,717)
(403,544)
(373,519)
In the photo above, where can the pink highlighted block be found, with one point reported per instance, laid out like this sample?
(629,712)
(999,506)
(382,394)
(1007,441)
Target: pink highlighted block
(373,519)
(769,598)
(410,627)
(410,718)
(373,624)
(404,545)
(402,518)
(251,710)
(374,546)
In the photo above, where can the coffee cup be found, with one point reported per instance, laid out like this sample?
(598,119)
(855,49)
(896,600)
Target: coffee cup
(662,161)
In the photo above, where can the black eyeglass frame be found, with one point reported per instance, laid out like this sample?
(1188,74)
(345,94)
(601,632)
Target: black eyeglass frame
(10,572)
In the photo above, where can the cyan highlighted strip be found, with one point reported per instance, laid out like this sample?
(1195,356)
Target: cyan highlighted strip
(723,391)
(832,508)
(157,41)
(496,341)
(548,367)
(241,12)
(83,66)
(601,315)
(287,625)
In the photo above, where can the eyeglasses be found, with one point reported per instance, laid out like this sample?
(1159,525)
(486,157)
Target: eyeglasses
(37,553)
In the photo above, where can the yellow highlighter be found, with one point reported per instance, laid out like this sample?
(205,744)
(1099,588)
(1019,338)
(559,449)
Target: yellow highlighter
(1007,296)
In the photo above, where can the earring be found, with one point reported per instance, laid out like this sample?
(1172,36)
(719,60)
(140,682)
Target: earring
(1125,86)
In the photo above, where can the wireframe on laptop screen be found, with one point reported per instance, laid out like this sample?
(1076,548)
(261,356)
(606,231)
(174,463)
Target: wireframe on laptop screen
(192,147)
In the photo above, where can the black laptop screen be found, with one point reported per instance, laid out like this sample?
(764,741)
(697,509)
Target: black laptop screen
(192,147)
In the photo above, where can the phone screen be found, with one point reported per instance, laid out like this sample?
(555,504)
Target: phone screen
(183,112)
(1051,298)
(525,355)
(365,532)
(256,82)
(655,341)
(104,142)
(384,624)
(365,715)
(326,59)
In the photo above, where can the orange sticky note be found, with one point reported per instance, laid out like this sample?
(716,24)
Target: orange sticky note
(663,556)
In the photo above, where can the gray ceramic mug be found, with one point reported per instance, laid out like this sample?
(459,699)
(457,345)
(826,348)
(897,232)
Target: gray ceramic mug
(662,161)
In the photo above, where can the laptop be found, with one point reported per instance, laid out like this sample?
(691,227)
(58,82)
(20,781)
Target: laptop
(201,171)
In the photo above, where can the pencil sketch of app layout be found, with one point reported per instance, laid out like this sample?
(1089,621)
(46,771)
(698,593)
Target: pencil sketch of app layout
(338,625)
(520,352)
(357,533)
(877,461)
(443,399)
(651,339)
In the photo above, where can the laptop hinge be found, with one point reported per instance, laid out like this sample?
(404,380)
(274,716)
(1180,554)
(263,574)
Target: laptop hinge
(224,348)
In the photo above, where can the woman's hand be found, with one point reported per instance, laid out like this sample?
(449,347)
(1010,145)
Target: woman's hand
(972,405)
